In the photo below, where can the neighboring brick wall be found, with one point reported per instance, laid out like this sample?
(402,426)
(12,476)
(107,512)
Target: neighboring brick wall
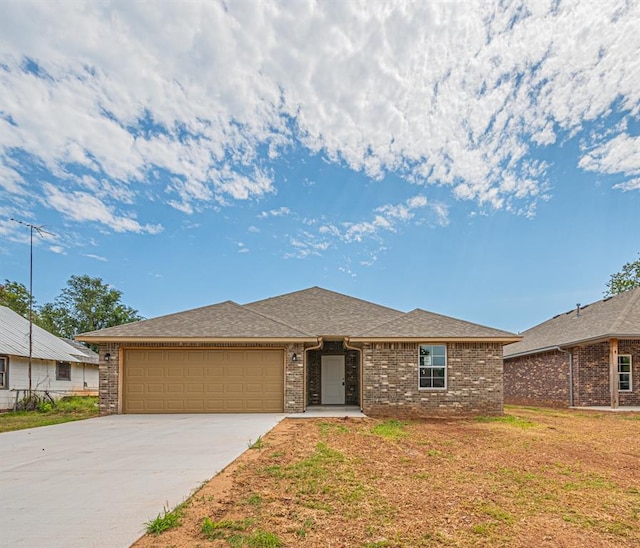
(538,379)
(109,372)
(351,380)
(543,379)
(591,376)
(631,347)
(390,381)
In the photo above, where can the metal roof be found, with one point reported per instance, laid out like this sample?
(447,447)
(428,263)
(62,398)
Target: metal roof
(14,341)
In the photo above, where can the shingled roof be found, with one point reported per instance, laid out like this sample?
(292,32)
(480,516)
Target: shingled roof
(227,320)
(614,317)
(428,325)
(322,312)
(302,315)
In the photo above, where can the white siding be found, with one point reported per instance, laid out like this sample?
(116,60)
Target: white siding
(43,377)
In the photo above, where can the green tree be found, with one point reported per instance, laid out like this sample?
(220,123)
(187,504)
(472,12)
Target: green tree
(15,296)
(627,278)
(85,304)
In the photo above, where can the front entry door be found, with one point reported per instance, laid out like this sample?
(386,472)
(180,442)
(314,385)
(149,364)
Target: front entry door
(332,380)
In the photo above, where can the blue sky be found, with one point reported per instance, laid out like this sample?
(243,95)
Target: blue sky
(480,160)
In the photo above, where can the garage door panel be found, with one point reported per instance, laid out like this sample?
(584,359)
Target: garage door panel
(203,381)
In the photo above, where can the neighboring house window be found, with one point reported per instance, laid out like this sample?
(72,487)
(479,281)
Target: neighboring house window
(63,371)
(624,373)
(4,370)
(433,366)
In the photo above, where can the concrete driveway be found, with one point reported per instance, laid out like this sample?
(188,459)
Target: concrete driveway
(95,482)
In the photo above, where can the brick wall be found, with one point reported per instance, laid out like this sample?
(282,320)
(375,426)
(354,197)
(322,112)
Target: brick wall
(109,372)
(631,347)
(351,365)
(543,379)
(538,379)
(591,365)
(390,381)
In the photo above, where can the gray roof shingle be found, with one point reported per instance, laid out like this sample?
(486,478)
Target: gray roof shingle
(323,312)
(222,320)
(423,324)
(614,317)
(305,314)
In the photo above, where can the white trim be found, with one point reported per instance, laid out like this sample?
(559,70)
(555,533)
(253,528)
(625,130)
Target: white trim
(630,389)
(446,367)
(5,373)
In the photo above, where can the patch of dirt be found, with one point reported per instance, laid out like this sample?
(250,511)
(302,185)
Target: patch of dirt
(546,478)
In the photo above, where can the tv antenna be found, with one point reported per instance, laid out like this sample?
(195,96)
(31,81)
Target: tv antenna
(40,231)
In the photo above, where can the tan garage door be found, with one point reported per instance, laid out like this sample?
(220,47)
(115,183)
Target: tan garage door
(203,381)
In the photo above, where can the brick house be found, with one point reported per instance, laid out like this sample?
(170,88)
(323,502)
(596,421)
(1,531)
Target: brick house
(589,356)
(295,351)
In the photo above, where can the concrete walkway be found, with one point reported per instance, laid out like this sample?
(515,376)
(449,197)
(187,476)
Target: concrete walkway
(96,482)
(621,409)
(327,411)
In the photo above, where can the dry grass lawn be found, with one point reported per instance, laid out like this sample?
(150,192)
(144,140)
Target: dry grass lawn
(535,477)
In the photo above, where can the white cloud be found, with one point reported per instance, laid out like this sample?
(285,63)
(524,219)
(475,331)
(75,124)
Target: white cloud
(197,98)
(280,212)
(621,154)
(96,257)
(631,184)
(82,206)
(386,218)
(58,249)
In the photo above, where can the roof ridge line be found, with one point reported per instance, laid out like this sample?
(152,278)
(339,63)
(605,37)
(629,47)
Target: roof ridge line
(400,314)
(327,291)
(244,307)
(625,311)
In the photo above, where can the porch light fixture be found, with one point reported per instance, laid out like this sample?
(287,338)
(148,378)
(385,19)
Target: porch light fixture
(294,357)
(107,357)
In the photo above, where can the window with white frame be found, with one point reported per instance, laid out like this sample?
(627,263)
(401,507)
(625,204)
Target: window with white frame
(624,373)
(432,366)
(63,371)
(4,371)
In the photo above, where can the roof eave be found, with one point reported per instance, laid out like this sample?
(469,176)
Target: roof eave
(570,344)
(501,339)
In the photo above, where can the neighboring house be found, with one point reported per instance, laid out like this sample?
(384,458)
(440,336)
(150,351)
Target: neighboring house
(589,356)
(58,367)
(307,348)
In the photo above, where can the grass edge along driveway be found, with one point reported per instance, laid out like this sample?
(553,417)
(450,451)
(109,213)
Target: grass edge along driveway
(532,477)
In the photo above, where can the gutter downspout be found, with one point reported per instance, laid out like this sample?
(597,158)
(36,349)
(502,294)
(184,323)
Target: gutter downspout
(345,342)
(570,373)
(304,372)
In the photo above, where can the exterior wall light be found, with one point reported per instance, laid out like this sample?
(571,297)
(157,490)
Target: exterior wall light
(294,357)
(107,357)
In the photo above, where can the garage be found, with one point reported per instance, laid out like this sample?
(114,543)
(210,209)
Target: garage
(159,380)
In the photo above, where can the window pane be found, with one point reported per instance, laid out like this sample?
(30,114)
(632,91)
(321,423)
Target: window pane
(624,360)
(425,383)
(438,383)
(439,350)
(439,360)
(438,373)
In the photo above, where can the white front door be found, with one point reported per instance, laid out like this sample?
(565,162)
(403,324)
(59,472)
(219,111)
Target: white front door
(332,380)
